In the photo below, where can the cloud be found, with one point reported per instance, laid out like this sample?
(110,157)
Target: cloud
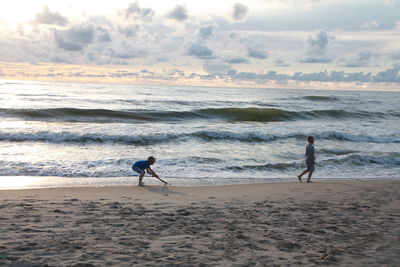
(317,47)
(179,13)
(103,35)
(76,38)
(318,43)
(239,12)
(395,55)
(257,52)
(370,25)
(134,11)
(280,62)
(216,72)
(316,60)
(391,3)
(130,30)
(126,38)
(49,18)
(125,50)
(397,25)
(389,75)
(175,72)
(206,31)
(237,60)
(216,68)
(361,60)
(199,50)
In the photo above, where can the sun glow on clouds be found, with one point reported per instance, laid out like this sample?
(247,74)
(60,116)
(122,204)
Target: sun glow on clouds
(251,42)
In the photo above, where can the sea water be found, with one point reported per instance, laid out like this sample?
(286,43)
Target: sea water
(199,135)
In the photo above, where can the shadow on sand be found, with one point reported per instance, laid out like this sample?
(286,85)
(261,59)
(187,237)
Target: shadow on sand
(163,190)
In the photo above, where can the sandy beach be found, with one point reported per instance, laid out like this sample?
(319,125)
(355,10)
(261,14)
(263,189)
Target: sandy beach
(337,222)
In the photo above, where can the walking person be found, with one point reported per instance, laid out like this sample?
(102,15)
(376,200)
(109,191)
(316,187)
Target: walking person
(310,159)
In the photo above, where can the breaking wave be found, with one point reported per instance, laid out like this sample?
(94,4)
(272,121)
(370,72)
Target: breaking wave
(320,98)
(227,114)
(206,136)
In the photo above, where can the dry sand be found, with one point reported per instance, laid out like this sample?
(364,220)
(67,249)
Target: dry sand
(344,223)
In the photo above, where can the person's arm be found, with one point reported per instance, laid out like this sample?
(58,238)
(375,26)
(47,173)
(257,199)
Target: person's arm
(313,153)
(149,170)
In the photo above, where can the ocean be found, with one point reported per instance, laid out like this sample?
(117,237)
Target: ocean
(199,135)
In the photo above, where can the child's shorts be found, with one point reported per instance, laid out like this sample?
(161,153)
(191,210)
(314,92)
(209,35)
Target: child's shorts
(137,169)
(310,166)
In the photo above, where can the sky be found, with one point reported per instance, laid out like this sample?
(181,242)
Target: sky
(326,44)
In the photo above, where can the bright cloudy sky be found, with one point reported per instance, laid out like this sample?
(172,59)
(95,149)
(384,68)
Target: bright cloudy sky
(253,42)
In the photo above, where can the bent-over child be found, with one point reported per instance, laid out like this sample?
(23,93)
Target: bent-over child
(142,166)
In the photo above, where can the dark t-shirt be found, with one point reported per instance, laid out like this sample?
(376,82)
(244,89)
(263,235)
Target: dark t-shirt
(142,164)
(310,153)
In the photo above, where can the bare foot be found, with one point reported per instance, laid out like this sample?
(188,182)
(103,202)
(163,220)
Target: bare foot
(299,178)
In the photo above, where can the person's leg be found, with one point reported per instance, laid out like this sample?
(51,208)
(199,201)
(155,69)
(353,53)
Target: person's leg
(309,177)
(141,178)
(141,173)
(301,175)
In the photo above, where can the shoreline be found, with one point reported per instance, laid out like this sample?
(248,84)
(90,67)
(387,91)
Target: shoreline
(336,222)
(45,182)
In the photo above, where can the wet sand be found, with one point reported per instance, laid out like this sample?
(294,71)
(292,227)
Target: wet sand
(326,223)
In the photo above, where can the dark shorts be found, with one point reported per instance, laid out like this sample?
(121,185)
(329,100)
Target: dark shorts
(310,166)
(137,169)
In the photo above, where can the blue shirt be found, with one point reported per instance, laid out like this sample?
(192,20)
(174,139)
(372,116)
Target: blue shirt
(142,164)
(310,151)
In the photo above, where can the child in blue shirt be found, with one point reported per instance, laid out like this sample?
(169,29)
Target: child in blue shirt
(310,159)
(142,166)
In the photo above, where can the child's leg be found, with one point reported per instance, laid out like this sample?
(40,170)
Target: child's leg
(141,177)
(304,172)
(141,173)
(309,176)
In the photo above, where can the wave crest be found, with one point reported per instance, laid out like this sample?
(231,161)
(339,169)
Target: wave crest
(226,114)
(205,136)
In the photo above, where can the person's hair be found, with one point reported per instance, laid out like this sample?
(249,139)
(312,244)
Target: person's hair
(310,137)
(151,159)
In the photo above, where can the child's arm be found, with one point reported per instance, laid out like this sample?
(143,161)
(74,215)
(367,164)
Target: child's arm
(149,170)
